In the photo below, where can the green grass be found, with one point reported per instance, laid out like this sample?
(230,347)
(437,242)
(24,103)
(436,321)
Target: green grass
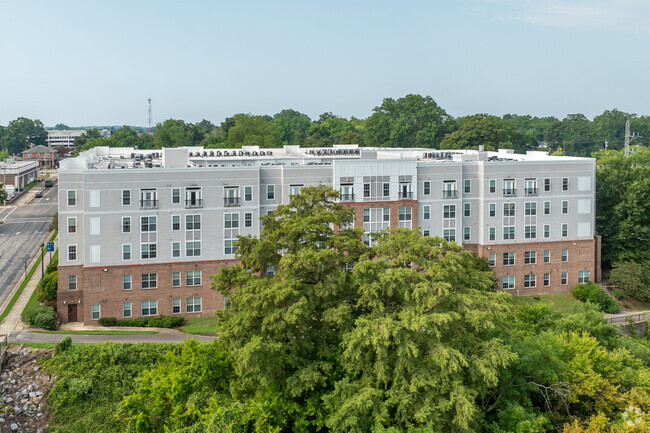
(201,325)
(561,302)
(107,332)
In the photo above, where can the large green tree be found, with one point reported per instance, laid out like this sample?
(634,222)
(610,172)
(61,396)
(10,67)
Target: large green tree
(411,121)
(292,126)
(173,133)
(17,136)
(489,131)
(249,130)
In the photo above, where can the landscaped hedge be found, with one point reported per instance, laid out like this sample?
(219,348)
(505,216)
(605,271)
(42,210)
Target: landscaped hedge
(41,316)
(151,322)
(592,292)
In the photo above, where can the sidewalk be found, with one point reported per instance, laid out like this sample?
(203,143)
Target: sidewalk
(13,321)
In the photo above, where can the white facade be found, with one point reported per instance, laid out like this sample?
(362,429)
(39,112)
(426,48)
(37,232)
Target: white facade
(63,137)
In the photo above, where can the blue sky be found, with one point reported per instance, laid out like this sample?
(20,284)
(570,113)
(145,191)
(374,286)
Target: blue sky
(92,62)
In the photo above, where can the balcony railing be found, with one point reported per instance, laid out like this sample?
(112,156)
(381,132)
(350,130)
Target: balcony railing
(231,201)
(408,195)
(530,191)
(194,203)
(449,193)
(148,204)
(347,197)
(509,192)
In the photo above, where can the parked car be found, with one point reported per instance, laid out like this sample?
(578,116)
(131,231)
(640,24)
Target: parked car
(38,194)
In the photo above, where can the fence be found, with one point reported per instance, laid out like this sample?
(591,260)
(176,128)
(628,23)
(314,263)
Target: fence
(639,317)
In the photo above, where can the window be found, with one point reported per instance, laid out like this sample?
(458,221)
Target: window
(148,199)
(547,208)
(126,282)
(347,192)
(583,277)
(565,206)
(270,271)
(127,309)
(193,305)
(229,248)
(565,255)
(72,253)
(449,211)
(366,190)
(366,215)
(193,197)
(530,208)
(427,187)
(176,223)
(530,187)
(508,233)
(493,209)
(547,256)
(530,232)
(295,190)
(248,219)
(193,248)
(449,234)
(547,280)
(148,251)
(493,186)
(530,280)
(547,185)
(176,195)
(509,259)
(126,197)
(386,214)
(387,189)
(547,230)
(176,249)
(176,306)
(95,312)
(126,252)
(193,278)
(449,189)
(530,257)
(467,186)
(509,187)
(565,279)
(231,196)
(72,197)
(149,280)
(72,225)
(508,282)
(126,224)
(248,193)
(565,184)
(467,209)
(467,233)
(149,308)
(72,282)
(492,261)
(176,279)
(426,233)
(231,220)
(508,209)
(148,224)
(270,192)
(427,212)
(493,233)
(565,230)
(193,222)
(404,217)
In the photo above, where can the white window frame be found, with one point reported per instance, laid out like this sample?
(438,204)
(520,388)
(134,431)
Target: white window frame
(149,280)
(467,233)
(248,193)
(547,256)
(176,278)
(191,278)
(530,281)
(150,303)
(196,301)
(547,279)
(130,225)
(176,305)
(565,278)
(426,187)
(581,276)
(95,311)
(270,192)
(530,257)
(565,230)
(248,219)
(124,252)
(75,252)
(176,250)
(124,309)
(127,279)
(125,198)
(74,225)
(565,255)
(467,210)
(72,282)
(492,186)
(71,200)
(175,198)
(510,282)
(492,260)
(565,207)
(509,260)
(426,212)
(180,223)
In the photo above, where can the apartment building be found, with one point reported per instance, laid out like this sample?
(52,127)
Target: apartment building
(141,232)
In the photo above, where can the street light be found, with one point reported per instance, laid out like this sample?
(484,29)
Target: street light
(42,273)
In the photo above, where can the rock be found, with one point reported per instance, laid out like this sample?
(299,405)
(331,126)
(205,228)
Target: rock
(14,426)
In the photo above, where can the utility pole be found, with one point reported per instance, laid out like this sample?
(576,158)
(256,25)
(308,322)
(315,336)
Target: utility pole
(627,138)
(149,119)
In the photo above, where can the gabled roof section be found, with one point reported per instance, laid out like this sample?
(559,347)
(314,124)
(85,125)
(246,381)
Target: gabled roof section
(40,149)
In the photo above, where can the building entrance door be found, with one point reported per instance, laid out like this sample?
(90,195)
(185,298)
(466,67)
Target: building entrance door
(72,312)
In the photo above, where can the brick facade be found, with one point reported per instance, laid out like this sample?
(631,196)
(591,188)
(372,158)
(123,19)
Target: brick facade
(104,286)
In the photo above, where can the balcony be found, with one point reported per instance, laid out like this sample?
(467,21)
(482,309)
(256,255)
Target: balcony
(149,204)
(509,192)
(449,193)
(530,192)
(194,203)
(347,197)
(406,195)
(231,201)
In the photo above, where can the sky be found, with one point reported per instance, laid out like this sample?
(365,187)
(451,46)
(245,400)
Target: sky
(97,62)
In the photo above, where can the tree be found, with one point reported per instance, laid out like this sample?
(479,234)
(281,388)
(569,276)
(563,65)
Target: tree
(489,131)
(90,134)
(250,130)
(60,126)
(423,350)
(610,127)
(17,136)
(292,126)
(3,194)
(632,278)
(411,121)
(173,133)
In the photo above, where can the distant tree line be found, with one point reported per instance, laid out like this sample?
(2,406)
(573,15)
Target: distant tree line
(410,121)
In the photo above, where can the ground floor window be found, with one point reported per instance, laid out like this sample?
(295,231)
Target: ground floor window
(95,311)
(547,280)
(193,305)
(529,280)
(176,306)
(583,276)
(149,308)
(508,282)
(564,278)
(127,309)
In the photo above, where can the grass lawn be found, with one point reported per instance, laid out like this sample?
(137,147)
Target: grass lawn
(560,302)
(107,332)
(201,325)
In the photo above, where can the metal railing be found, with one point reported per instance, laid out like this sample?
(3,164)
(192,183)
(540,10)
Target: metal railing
(194,203)
(530,191)
(148,204)
(405,195)
(509,192)
(638,317)
(347,197)
(449,193)
(231,201)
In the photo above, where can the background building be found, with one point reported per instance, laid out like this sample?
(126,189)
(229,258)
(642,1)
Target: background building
(63,137)
(142,231)
(45,156)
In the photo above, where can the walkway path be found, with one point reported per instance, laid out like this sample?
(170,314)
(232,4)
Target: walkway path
(637,316)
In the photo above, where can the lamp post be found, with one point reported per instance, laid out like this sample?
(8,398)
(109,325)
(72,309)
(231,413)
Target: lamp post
(42,273)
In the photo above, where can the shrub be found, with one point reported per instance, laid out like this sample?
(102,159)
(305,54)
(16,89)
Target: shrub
(108,321)
(45,318)
(48,287)
(618,294)
(63,345)
(632,278)
(593,293)
(173,321)
(153,322)
(52,266)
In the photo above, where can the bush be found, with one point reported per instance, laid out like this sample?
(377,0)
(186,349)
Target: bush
(52,266)
(153,322)
(632,278)
(594,294)
(44,318)
(618,294)
(63,345)
(48,287)
(108,321)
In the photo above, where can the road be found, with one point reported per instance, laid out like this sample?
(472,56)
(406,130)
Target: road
(163,336)
(21,234)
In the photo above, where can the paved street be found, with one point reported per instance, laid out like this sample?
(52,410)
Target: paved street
(24,229)
(163,336)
